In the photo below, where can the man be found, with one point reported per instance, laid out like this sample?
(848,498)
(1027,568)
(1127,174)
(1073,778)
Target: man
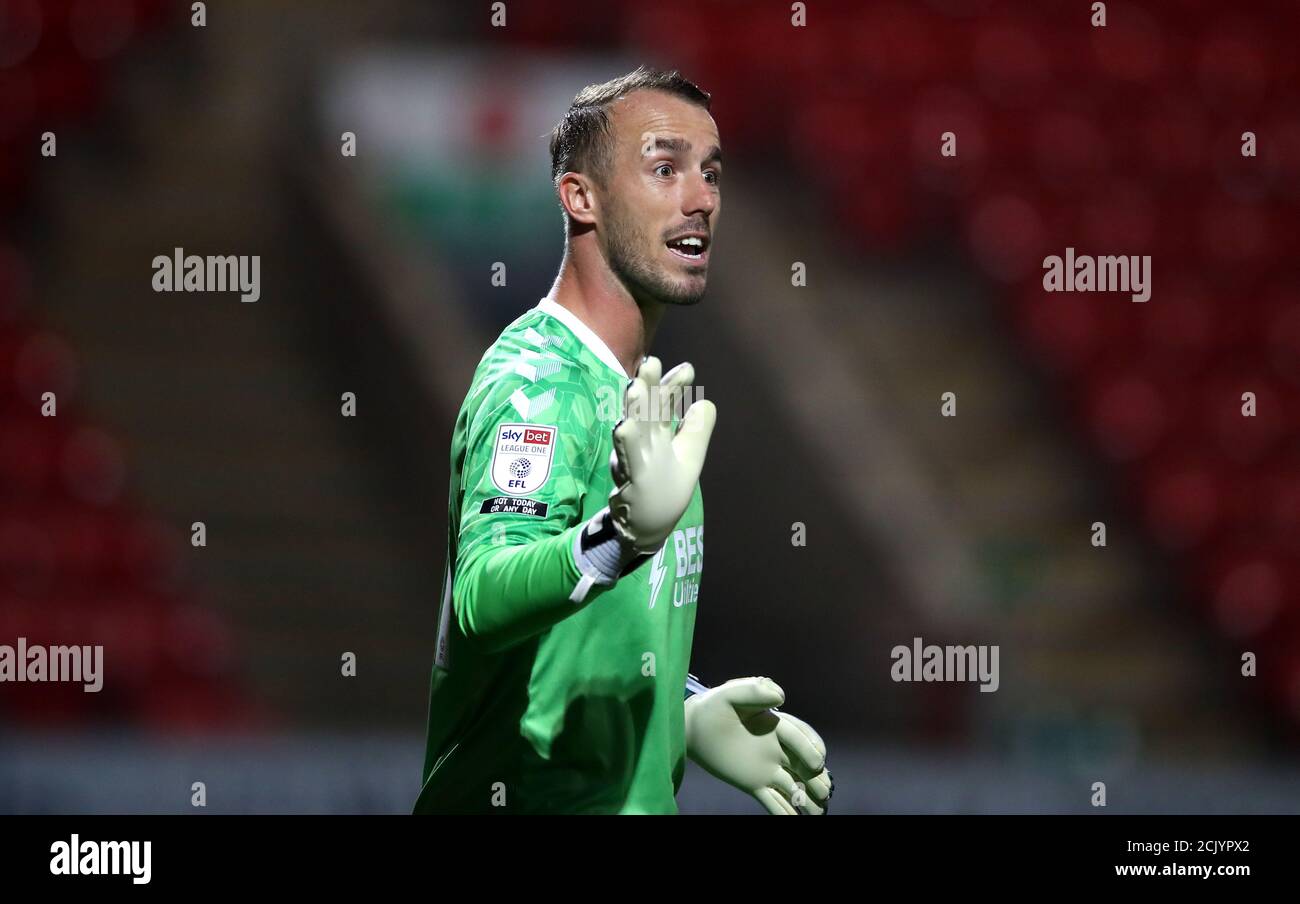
(575,544)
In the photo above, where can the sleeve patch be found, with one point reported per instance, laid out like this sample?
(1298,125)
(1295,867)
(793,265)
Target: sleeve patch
(509,505)
(521,463)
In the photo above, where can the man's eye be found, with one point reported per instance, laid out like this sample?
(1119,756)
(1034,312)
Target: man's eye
(664,169)
(712,177)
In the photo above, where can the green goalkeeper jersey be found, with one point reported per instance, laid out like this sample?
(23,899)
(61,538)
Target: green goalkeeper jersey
(537,703)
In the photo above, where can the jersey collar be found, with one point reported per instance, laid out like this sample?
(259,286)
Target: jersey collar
(584,333)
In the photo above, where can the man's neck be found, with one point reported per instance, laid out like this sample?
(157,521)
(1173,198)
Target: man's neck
(609,310)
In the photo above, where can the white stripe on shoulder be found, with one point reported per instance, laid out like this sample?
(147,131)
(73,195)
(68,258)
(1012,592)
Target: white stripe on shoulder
(535,366)
(537,339)
(531,408)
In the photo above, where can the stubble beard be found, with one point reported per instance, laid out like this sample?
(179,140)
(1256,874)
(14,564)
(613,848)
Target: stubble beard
(632,266)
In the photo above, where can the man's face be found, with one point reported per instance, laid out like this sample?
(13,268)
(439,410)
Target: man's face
(662,198)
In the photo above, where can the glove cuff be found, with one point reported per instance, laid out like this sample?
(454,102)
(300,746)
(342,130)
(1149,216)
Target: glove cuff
(694,686)
(602,554)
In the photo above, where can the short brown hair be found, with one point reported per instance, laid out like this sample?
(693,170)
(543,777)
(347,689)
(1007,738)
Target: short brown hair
(580,143)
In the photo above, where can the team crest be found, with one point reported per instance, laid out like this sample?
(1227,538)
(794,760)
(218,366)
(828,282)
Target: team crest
(522,461)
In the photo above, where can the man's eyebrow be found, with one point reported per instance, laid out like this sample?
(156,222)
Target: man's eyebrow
(676,145)
(682,146)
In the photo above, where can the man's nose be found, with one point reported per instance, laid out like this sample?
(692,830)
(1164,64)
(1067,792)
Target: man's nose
(700,198)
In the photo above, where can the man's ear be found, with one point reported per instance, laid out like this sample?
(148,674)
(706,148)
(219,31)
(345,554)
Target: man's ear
(578,197)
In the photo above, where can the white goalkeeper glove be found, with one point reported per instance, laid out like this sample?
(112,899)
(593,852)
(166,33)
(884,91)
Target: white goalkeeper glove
(733,732)
(655,470)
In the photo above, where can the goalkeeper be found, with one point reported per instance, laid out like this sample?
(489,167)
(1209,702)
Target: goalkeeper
(575,523)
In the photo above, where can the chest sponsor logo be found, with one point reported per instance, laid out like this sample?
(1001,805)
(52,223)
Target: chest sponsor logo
(521,463)
(684,550)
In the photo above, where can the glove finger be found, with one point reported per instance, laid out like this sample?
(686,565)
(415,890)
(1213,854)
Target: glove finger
(794,794)
(804,747)
(692,439)
(819,787)
(663,397)
(752,695)
(679,377)
(629,433)
(625,442)
(672,389)
(650,370)
(636,400)
(652,409)
(810,807)
(797,794)
(775,804)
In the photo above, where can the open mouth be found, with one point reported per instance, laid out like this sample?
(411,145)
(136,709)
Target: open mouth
(692,247)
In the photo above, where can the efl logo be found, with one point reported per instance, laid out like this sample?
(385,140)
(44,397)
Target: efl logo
(521,462)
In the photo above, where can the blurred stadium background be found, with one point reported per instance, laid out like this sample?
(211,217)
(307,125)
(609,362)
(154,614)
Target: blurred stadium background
(326,534)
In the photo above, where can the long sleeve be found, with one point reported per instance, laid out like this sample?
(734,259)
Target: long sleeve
(527,460)
(509,593)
